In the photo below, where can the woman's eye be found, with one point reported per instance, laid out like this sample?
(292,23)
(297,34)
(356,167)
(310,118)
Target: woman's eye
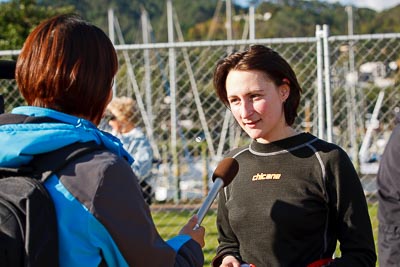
(233,101)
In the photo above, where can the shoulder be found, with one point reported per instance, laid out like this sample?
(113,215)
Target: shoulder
(104,162)
(237,151)
(328,153)
(392,148)
(136,136)
(136,132)
(325,147)
(93,170)
(395,136)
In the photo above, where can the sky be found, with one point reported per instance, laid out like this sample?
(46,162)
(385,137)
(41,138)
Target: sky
(377,5)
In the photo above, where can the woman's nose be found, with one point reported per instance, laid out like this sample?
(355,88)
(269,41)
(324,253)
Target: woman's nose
(246,109)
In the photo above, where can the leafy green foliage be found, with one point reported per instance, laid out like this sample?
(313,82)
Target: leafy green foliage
(196,18)
(18,18)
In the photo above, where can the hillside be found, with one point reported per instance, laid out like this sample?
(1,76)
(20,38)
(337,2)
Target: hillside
(198,20)
(205,19)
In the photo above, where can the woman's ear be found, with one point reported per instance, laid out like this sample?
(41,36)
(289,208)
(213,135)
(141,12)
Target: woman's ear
(284,89)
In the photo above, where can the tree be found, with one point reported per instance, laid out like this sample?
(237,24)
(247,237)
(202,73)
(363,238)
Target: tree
(18,18)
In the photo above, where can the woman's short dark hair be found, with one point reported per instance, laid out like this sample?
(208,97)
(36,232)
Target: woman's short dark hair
(260,58)
(67,64)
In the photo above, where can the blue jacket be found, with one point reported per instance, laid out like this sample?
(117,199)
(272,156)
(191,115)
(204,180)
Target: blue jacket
(101,214)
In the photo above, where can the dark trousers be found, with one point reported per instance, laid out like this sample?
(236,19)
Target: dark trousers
(389,245)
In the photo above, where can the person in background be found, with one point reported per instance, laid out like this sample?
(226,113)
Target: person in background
(295,196)
(388,180)
(65,73)
(123,120)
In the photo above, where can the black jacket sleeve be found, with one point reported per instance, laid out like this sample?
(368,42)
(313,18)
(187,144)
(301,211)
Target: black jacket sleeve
(120,206)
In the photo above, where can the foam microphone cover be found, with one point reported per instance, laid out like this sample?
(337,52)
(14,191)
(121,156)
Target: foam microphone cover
(226,170)
(7,69)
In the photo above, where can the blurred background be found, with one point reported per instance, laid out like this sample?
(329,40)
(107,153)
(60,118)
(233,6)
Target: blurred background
(346,55)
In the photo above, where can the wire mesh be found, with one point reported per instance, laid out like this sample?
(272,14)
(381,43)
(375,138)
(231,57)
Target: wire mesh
(364,79)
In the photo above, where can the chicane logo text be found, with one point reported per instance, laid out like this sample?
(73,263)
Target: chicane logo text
(266,176)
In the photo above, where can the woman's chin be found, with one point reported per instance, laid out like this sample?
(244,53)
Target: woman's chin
(253,134)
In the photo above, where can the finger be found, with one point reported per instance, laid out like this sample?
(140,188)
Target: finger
(193,220)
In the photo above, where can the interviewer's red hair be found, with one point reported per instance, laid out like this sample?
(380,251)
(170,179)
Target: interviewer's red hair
(67,64)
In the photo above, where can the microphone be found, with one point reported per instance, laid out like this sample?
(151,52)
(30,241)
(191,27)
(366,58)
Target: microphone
(7,69)
(222,176)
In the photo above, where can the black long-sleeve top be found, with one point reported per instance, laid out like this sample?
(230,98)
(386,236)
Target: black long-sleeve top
(290,203)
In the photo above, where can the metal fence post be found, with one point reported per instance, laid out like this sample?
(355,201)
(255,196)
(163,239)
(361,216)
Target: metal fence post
(320,85)
(172,84)
(328,94)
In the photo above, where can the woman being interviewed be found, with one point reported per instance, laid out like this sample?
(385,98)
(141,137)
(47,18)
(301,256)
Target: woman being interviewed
(65,73)
(295,195)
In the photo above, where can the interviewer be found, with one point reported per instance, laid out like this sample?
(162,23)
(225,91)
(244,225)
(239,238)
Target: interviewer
(65,73)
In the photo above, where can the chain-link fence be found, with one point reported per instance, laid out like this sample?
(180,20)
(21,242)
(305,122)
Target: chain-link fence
(350,96)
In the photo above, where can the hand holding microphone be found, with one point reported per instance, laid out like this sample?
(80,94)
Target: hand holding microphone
(196,234)
(222,176)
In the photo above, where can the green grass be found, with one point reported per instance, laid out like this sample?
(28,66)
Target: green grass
(170,222)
